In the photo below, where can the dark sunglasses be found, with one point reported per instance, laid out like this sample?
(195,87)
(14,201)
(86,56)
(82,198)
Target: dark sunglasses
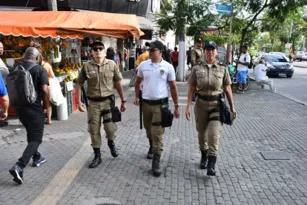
(98,49)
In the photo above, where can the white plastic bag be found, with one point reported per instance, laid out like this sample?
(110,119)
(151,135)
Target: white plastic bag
(56,96)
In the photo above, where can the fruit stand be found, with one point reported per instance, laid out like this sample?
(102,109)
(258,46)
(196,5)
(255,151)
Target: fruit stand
(60,34)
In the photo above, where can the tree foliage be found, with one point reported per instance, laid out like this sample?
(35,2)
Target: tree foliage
(249,18)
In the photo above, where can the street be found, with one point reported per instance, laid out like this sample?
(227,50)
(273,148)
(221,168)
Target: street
(261,161)
(295,87)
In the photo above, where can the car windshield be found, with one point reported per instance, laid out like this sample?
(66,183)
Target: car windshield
(276,58)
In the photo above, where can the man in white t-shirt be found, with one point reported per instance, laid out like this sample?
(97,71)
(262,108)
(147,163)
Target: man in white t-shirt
(261,78)
(157,76)
(3,69)
(242,69)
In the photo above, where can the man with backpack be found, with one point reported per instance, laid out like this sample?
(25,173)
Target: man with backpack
(27,87)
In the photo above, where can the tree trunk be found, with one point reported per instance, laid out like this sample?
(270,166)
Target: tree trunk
(244,31)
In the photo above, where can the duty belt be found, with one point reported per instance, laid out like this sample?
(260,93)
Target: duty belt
(101,99)
(156,102)
(208,97)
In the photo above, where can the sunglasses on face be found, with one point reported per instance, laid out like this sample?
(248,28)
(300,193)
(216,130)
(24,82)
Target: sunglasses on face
(96,49)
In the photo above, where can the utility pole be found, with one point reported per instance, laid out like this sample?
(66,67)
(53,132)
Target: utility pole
(52,5)
(181,34)
(229,45)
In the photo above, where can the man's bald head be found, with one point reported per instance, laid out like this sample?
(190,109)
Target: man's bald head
(31,54)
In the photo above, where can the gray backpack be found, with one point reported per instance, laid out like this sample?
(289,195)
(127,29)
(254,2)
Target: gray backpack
(20,86)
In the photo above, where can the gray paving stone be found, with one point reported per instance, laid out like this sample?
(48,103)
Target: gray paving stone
(243,176)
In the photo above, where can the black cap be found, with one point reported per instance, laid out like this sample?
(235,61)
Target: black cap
(155,44)
(198,40)
(210,44)
(97,43)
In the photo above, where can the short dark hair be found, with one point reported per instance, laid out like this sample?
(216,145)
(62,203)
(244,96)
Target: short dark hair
(175,48)
(244,47)
(110,53)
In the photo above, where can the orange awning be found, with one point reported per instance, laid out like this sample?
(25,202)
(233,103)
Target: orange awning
(68,24)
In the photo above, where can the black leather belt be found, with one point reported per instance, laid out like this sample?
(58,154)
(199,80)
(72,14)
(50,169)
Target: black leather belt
(156,102)
(101,99)
(208,97)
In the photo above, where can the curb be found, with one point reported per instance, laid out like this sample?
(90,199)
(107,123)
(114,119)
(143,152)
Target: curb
(292,98)
(300,66)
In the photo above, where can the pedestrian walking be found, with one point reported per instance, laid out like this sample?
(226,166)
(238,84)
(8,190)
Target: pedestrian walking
(210,79)
(156,75)
(142,57)
(31,115)
(166,54)
(102,76)
(4,100)
(175,58)
(50,73)
(111,55)
(243,64)
(3,68)
(197,55)
(188,53)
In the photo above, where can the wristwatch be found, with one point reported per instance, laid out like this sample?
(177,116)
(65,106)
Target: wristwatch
(124,101)
(176,105)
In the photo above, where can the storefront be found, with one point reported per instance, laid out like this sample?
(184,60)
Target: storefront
(61,35)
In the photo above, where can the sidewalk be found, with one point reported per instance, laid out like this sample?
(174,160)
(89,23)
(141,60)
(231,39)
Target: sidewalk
(267,122)
(302,64)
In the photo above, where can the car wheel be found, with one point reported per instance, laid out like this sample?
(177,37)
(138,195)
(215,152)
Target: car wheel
(289,76)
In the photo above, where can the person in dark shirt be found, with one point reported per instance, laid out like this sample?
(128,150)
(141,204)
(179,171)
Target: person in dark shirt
(32,115)
(166,54)
(189,52)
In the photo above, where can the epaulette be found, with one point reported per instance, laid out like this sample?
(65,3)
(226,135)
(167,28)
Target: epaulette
(221,63)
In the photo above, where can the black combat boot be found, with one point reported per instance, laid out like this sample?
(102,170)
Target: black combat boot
(204,159)
(150,153)
(211,166)
(97,159)
(156,165)
(113,149)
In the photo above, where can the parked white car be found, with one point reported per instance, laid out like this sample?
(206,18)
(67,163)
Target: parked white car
(304,57)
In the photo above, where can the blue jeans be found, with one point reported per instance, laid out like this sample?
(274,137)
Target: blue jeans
(241,76)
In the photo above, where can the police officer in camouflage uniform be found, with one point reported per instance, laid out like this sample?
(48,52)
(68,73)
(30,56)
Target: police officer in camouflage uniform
(102,76)
(197,53)
(210,79)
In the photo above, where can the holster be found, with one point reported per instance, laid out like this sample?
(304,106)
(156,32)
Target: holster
(116,114)
(167,116)
(226,116)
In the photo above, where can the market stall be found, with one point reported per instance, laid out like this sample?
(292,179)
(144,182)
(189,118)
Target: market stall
(60,34)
